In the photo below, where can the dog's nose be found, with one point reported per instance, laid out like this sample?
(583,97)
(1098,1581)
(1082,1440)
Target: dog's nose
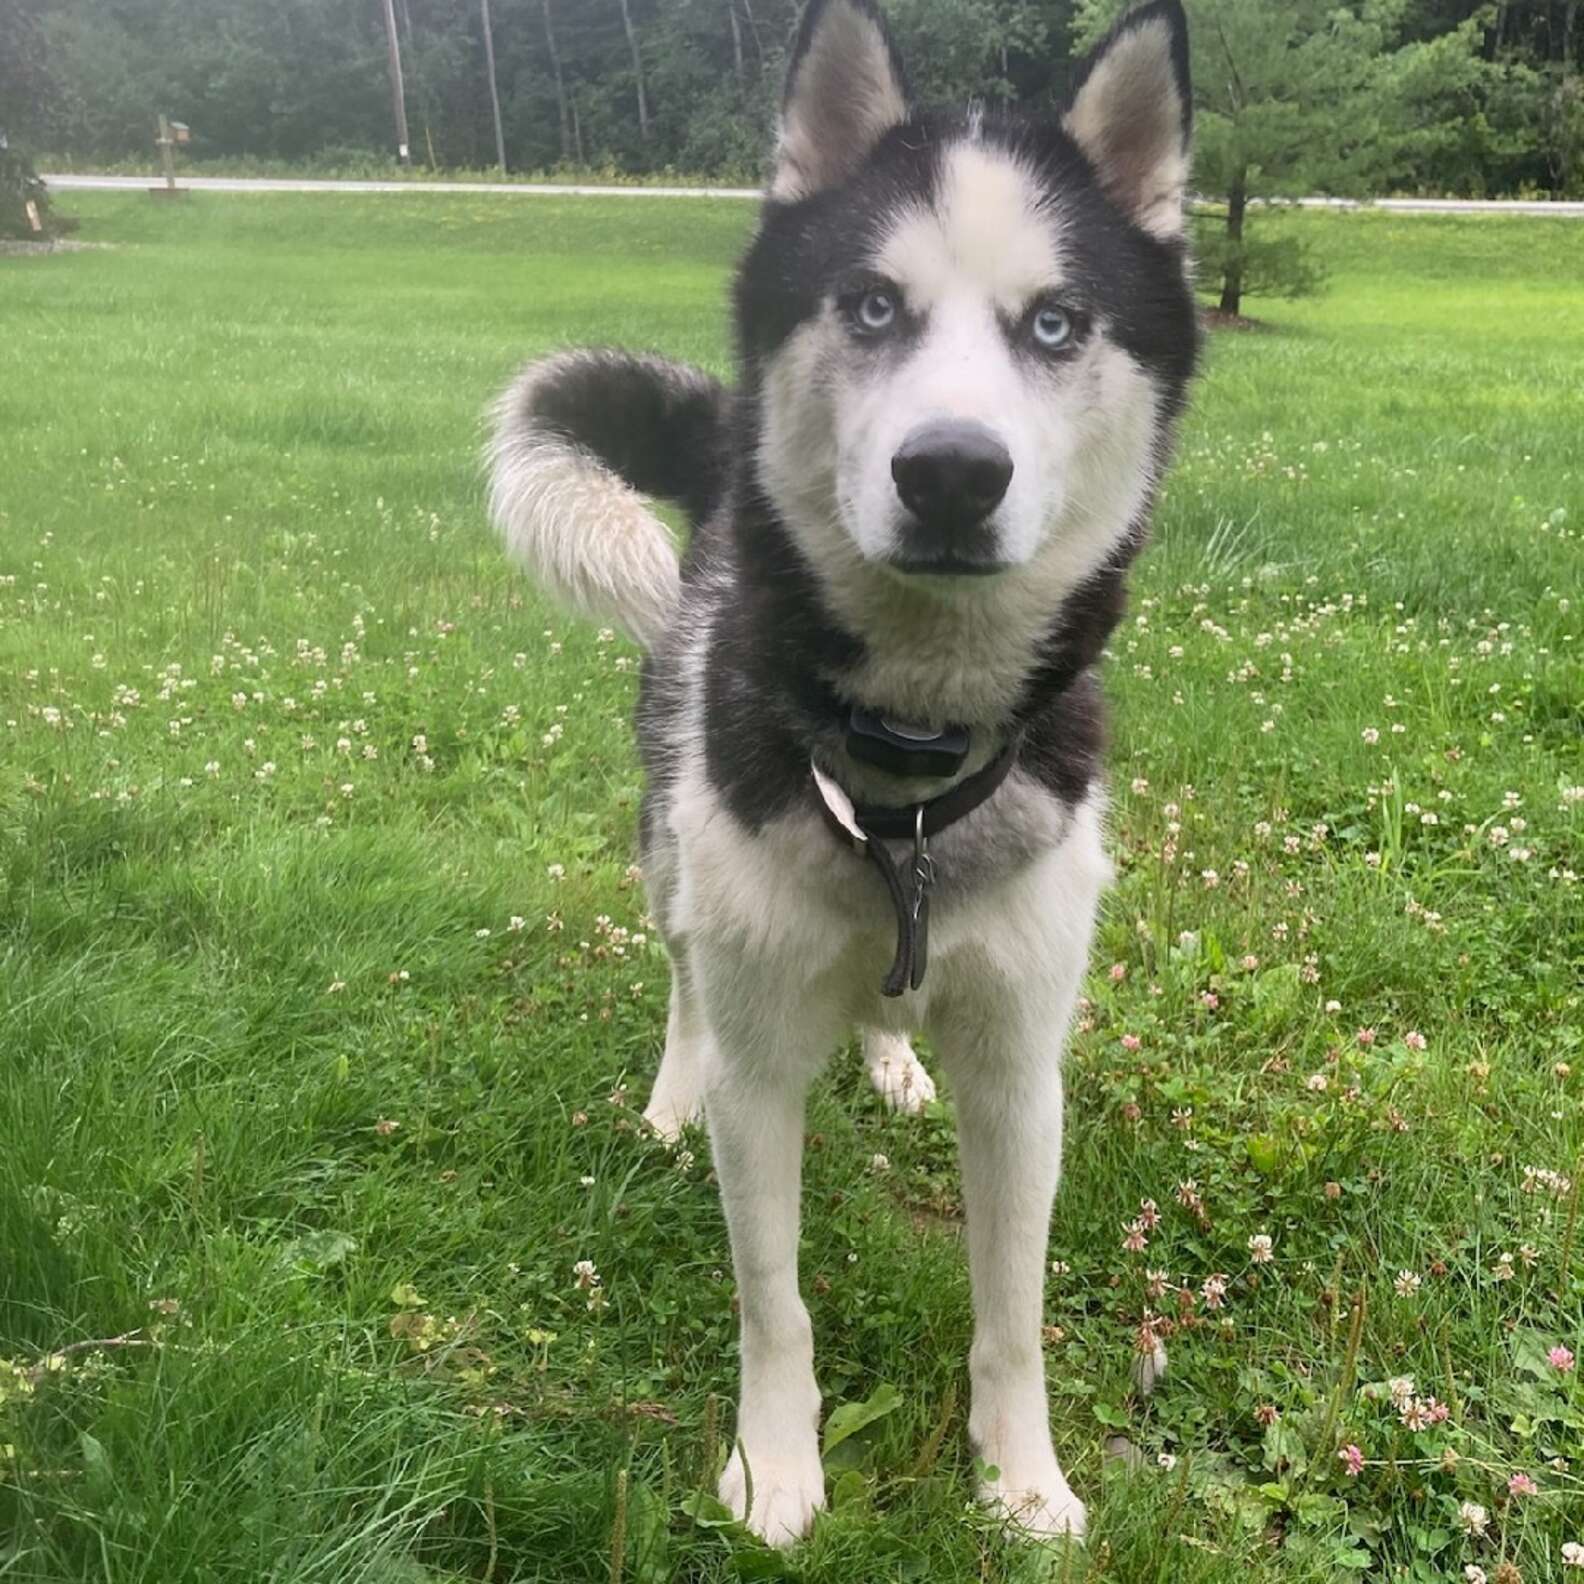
(952,472)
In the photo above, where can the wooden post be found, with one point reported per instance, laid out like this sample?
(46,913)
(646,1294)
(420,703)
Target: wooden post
(398,93)
(167,147)
(169,133)
(489,62)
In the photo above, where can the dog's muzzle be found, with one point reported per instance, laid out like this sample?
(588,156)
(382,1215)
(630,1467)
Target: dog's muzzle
(950,476)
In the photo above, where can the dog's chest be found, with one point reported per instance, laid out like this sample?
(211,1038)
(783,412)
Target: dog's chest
(794,905)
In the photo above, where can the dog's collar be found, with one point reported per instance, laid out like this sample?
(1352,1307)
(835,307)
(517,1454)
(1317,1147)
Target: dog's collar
(867,827)
(857,823)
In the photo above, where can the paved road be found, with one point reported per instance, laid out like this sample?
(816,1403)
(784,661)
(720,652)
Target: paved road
(1562,209)
(244,184)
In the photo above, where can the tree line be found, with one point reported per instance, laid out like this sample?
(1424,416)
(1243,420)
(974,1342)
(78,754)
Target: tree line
(1463,97)
(642,86)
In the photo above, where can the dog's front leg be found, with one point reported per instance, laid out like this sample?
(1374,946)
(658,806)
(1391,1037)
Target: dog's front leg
(1009,1125)
(764,1058)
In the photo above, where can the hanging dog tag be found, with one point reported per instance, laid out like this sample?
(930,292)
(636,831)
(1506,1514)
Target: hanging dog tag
(839,811)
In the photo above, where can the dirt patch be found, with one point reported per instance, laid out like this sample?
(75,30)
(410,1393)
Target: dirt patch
(1216,319)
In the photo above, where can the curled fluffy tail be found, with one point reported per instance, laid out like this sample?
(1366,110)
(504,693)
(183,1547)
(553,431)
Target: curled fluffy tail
(578,440)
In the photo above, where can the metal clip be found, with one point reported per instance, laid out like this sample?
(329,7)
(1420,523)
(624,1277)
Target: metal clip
(923,879)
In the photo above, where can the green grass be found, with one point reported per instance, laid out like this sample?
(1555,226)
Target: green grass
(278,1115)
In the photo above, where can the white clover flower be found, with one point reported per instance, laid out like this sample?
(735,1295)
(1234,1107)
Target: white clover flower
(1474,1518)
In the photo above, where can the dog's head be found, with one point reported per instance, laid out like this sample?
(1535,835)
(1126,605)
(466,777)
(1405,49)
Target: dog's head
(970,334)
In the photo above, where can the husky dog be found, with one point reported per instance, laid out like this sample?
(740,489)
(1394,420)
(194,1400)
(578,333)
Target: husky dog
(869,715)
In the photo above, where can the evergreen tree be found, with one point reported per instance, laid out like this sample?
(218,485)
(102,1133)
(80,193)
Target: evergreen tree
(1307,97)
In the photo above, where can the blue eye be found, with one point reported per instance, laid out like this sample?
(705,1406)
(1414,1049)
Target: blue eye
(1053,328)
(876,311)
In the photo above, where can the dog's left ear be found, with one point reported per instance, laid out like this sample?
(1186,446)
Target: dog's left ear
(1132,114)
(844,92)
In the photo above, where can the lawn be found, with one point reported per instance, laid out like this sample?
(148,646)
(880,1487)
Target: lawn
(329,1002)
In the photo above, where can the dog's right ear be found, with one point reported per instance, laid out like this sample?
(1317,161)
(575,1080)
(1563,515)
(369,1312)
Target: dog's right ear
(844,92)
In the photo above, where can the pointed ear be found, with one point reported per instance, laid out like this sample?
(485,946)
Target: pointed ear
(844,91)
(1131,113)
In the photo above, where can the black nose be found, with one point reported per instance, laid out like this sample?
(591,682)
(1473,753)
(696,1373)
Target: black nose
(951,472)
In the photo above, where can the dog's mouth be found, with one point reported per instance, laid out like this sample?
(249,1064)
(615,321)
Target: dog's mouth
(947,545)
(947,565)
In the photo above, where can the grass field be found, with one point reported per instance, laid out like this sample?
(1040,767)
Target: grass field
(328,1003)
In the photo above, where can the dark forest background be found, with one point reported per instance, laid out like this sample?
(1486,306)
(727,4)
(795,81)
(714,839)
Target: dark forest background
(1487,97)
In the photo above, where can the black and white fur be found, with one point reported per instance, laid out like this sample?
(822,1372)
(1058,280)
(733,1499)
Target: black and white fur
(801,591)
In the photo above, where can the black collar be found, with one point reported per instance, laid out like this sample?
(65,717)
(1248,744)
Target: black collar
(867,827)
(901,822)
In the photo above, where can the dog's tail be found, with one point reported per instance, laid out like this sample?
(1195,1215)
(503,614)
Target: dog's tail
(578,440)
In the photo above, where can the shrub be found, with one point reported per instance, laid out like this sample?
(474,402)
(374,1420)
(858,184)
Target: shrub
(20,185)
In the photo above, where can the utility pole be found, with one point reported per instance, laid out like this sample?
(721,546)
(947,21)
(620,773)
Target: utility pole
(737,55)
(753,24)
(489,62)
(398,94)
(638,75)
(560,86)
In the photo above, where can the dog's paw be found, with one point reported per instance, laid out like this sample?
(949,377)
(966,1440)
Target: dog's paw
(667,1117)
(898,1076)
(787,1491)
(1042,1508)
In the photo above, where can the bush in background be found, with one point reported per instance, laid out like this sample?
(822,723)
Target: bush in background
(21,185)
